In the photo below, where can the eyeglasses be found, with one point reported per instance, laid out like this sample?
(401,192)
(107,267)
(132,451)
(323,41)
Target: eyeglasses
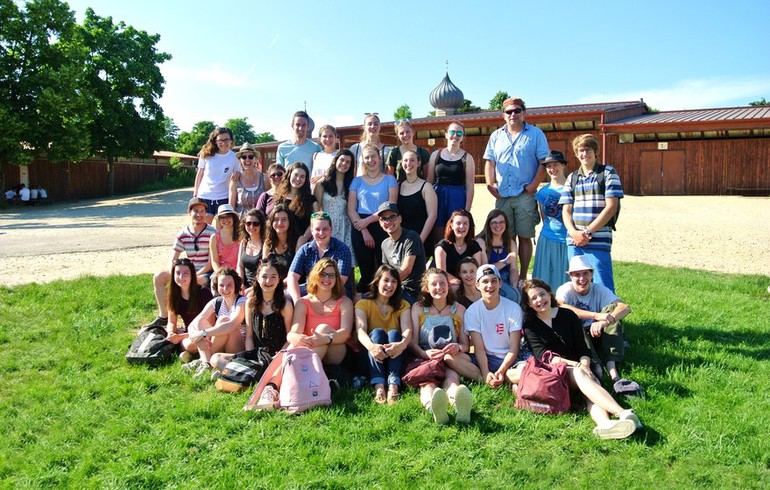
(251,223)
(371,113)
(250,157)
(327,275)
(454,132)
(517,110)
(389,219)
(320,215)
(184,261)
(276,175)
(223,140)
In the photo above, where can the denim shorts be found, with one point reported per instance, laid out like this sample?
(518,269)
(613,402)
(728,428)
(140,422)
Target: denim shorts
(212,205)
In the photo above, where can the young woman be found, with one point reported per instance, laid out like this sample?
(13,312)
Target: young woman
(276,174)
(186,299)
(549,328)
(216,165)
(323,319)
(405,133)
(384,326)
(252,182)
(416,200)
(281,241)
(250,250)
(332,195)
(366,194)
(268,314)
(468,293)
(551,254)
(457,243)
(226,332)
(452,172)
(322,160)
(437,309)
(294,193)
(370,136)
(224,244)
(498,245)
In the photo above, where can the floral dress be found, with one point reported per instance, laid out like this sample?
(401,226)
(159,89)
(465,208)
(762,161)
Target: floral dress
(337,207)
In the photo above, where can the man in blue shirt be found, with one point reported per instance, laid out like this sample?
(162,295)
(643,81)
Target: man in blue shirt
(513,173)
(300,148)
(322,245)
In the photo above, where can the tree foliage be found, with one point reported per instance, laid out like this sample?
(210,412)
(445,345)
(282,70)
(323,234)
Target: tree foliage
(402,112)
(497,101)
(190,143)
(171,134)
(759,103)
(243,132)
(265,137)
(467,106)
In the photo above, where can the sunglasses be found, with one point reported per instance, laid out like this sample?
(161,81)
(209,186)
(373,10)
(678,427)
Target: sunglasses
(389,219)
(276,175)
(251,223)
(517,110)
(400,121)
(195,244)
(454,132)
(184,261)
(250,157)
(320,215)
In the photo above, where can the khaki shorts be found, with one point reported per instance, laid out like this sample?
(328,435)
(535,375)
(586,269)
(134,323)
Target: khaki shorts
(521,212)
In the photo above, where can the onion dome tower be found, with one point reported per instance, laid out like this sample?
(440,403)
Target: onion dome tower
(447,97)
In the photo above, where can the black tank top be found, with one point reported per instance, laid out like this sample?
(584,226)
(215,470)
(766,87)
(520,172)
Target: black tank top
(450,172)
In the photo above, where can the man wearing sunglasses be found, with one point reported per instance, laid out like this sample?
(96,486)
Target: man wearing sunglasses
(402,250)
(193,240)
(322,245)
(513,173)
(300,148)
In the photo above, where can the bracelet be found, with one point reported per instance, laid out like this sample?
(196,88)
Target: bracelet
(609,315)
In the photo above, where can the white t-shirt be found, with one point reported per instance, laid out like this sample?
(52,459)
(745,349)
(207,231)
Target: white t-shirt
(496,325)
(24,194)
(217,170)
(597,298)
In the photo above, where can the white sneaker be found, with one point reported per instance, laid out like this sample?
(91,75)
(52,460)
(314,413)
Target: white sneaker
(463,404)
(193,365)
(186,357)
(630,415)
(615,429)
(439,402)
(268,400)
(203,369)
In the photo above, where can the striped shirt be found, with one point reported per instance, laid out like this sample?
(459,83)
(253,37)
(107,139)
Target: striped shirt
(588,202)
(187,241)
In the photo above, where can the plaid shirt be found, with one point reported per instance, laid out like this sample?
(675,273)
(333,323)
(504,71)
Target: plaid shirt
(308,255)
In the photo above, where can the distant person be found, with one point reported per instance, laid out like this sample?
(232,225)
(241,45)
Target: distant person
(10,195)
(193,240)
(24,195)
(513,174)
(322,160)
(43,194)
(405,133)
(591,199)
(216,166)
(251,183)
(370,136)
(33,195)
(402,251)
(300,148)
(551,254)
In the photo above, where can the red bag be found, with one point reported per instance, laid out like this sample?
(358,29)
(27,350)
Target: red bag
(543,386)
(424,371)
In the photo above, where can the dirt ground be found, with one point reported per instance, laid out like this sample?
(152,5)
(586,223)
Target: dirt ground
(133,235)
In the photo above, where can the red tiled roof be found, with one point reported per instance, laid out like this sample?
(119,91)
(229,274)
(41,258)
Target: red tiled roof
(701,115)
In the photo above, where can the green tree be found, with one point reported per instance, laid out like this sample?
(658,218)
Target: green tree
(243,132)
(171,134)
(759,103)
(123,83)
(467,106)
(497,101)
(402,112)
(192,142)
(264,138)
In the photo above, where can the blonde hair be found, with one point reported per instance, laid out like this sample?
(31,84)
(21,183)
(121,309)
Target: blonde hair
(312,278)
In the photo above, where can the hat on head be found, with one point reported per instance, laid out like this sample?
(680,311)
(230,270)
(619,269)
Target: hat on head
(580,263)
(195,202)
(514,101)
(487,270)
(246,147)
(554,156)
(387,206)
(225,209)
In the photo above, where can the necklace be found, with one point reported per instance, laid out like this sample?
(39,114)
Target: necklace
(449,152)
(441,310)
(412,181)
(372,178)
(323,303)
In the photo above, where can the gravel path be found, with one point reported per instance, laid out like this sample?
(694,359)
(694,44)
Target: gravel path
(133,235)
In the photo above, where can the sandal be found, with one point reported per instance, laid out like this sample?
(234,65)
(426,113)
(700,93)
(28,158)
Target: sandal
(379,396)
(393,397)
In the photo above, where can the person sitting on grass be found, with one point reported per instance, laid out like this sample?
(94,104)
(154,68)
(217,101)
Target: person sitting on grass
(224,243)
(550,328)
(226,333)
(601,312)
(468,293)
(185,299)
(193,240)
(438,320)
(384,327)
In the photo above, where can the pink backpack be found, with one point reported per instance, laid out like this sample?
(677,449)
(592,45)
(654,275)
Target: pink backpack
(304,384)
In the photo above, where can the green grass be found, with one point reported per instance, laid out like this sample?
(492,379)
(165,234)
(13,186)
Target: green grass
(74,414)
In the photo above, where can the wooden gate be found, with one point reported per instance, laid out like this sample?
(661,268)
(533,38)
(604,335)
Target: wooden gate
(662,173)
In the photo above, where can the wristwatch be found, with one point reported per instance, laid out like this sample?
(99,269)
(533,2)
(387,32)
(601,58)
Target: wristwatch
(587,232)
(203,333)
(331,337)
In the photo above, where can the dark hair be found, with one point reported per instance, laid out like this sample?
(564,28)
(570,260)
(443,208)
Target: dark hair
(424,298)
(486,233)
(253,213)
(271,237)
(529,284)
(329,182)
(174,292)
(302,204)
(300,114)
(210,148)
(449,234)
(236,226)
(256,297)
(461,292)
(226,271)
(395,300)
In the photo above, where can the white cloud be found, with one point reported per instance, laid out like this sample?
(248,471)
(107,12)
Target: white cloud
(693,94)
(275,40)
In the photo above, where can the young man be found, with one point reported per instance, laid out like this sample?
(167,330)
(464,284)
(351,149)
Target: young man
(193,240)
(494,324)
(601,312)
(403,250)
(322,245)
(513,173)
(591,198)
(300,148)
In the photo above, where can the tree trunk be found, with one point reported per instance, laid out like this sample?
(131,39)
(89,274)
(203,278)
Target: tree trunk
(110,175)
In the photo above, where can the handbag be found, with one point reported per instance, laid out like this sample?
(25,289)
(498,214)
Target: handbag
(543,386)
(421,372)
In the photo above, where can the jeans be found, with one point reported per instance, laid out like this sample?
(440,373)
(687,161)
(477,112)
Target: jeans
(393,366)
(369,259)
(602,262)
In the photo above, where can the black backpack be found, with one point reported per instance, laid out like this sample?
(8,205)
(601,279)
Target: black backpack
(244,369)
(151,347)
(600,179)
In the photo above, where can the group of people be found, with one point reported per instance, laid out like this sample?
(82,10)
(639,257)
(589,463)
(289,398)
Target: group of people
(27,196)
(278,269)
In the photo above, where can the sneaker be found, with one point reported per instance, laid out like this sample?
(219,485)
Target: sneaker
(158,322)
(615,429)
(630,415)
(193,365)
(463,404)
(268,400)
(186,357)
(439,402)
(203,369)
(216,374)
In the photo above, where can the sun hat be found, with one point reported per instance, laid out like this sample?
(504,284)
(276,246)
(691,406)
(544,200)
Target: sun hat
(225,209)
(487,270)
(246,147)
(580,263)
(554,156)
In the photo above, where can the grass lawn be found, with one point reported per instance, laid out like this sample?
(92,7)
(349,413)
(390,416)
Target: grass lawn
(75,414)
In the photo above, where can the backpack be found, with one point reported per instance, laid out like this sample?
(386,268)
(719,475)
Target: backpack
(243,370)
(151,347)
(601,180)
(303,382)
(543,386)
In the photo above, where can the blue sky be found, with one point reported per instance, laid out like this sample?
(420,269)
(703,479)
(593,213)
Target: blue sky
(263,60)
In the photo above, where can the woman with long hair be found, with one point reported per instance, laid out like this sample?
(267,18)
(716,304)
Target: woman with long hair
(252,182)
(417,199)
(438,321)
(370,136)
(224,244)
(458,242)
(281,240)
(468,292)
(331,194)
(551,254)
(216,165)
(550,328)
(322,160)
(250,250)
(384,325)
(276,174)
(498,245)
(185,299)
(405,133)
(323,319)
(294,193)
